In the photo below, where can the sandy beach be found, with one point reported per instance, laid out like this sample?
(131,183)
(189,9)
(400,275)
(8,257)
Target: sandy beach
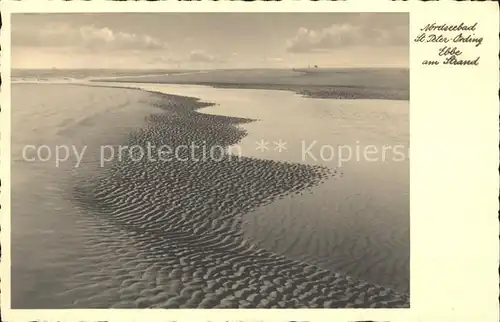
(169,234)
(360,212)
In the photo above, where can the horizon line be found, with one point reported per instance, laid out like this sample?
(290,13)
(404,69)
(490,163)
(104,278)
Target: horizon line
(209,69)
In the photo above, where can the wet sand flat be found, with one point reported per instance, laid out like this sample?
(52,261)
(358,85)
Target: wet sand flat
(56,246)
(196,209)
(169,233)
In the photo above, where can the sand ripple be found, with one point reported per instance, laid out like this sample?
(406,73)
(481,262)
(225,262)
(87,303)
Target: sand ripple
(183,220)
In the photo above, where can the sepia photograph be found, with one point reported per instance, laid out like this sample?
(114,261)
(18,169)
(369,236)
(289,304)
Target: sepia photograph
(226,161)
(168,160)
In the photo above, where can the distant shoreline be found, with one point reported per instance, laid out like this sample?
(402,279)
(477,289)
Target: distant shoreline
(324,83)
(311,91)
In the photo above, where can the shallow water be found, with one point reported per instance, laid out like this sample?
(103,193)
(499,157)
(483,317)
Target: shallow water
(54,246)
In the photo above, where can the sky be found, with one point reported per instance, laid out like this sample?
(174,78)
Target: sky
(210,40)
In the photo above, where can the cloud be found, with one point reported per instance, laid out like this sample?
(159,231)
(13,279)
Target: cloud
(163,60)
(347,35)
(196,57)
(276,59)
(97,37)
(87,37)
(272,61)
(200,56)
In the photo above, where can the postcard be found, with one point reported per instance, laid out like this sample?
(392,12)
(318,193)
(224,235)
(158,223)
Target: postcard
(249,161)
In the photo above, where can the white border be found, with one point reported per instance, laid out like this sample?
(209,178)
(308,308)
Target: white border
(454,164)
